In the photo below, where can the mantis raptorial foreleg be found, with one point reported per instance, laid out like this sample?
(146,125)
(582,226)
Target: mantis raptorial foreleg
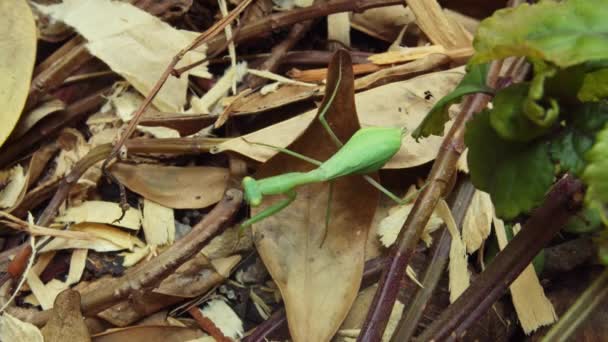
(271,210)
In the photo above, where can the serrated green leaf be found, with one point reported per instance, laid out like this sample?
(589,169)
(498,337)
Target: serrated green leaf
(568,150)
(474,81)
(595,86)
(564,33)
(590,118)
(596,174)
(516,175)
(507,115)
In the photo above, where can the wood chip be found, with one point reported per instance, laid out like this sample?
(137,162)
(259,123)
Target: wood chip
(533,308)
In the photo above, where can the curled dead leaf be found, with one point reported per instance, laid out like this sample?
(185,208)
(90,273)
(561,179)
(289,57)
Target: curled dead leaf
(174,187)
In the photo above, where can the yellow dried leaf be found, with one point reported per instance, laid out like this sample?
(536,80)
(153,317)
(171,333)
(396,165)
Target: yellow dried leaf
(109,239)
(158,224)
(10,193)
(405,54)
(531,304)
(390,226)
(477,221)
(102,212)
(12,329)
(119,34)
(458,266)
(17,58)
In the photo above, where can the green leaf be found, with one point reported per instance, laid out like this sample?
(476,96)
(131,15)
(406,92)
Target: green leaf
(584,121)
(474,81)
(596,174)
(533,105)
(564,33)
(595,86)
(586,221)
(516,175)
(568,150)
(507,116)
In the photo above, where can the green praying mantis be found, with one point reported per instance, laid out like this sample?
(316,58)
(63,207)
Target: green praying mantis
(365,152)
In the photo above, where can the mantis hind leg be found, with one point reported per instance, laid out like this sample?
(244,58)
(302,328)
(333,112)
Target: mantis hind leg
(328,212)
(271,210)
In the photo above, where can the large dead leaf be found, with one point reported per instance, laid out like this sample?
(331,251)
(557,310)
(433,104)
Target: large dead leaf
(318,281)
(406,108)
(119,34)
(17,57)
(174,187)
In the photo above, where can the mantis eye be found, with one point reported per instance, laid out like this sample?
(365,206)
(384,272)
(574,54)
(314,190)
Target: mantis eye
(252,192)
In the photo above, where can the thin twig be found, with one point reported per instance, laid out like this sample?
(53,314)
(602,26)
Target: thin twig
(279,51)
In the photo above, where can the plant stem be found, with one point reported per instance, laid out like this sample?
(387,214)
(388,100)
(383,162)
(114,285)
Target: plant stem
(580,310)
(441,253)
(562,201)
(438,182)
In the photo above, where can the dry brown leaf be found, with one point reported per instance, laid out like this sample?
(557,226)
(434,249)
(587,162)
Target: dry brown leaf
(406,109)
(313,276)
(17,58)
(13,186)
(66,322)
(29,119)
(102,212)
(118,34)
(230,241)
(196,277)
(288,93)
(174,187)
(149,333)
(12,329)
(39,161)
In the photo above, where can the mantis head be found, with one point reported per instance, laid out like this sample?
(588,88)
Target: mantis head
(253,195)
